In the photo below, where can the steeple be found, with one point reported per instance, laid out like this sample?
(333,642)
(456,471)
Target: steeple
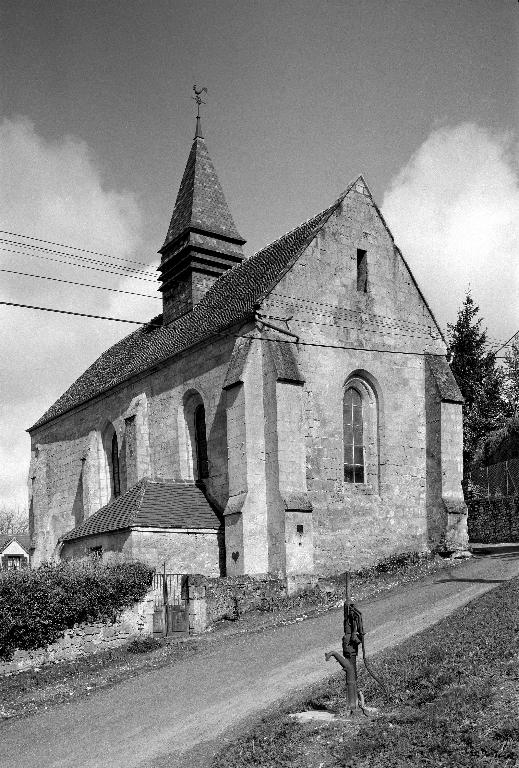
(202,241)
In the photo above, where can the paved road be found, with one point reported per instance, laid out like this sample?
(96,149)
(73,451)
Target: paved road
(154,719)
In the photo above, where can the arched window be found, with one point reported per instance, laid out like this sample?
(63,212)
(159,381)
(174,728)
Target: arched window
(201,443)
(361,431)
(353,437)
(116,472)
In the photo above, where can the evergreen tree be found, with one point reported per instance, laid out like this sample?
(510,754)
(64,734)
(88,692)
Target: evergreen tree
(480,381)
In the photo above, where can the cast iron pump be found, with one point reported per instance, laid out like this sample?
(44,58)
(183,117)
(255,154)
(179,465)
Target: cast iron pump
(352,638)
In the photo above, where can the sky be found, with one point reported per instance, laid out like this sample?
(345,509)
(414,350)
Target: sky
(97,119)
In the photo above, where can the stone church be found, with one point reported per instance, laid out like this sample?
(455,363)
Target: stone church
(292,412)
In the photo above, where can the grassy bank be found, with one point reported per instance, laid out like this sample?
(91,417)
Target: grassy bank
(454,701)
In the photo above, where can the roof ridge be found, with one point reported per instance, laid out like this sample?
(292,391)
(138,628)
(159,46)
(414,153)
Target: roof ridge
(293,230)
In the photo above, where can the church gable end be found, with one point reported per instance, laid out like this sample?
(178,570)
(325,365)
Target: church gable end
(352,276)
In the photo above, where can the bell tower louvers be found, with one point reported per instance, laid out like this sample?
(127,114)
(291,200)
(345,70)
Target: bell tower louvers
(202,240)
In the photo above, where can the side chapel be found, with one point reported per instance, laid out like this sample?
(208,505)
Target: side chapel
(292,412)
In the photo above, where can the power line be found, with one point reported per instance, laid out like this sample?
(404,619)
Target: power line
(72,247)
(69,255)
(507,342)
(76,314)
(231,335)
(83,285)
(83,266)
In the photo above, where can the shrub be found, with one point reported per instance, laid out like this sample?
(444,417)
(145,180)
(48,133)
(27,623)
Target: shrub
(37,606)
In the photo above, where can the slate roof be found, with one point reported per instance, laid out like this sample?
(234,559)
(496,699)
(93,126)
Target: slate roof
(151,504)
(200,202)
(230,299)
(23,539)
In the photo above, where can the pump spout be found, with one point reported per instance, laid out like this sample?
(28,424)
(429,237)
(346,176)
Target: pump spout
(351,676)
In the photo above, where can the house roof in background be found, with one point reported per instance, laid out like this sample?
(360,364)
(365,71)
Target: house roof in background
(151,504)
(23,539)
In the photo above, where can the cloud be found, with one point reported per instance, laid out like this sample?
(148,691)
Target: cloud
(454,212)
(55,190)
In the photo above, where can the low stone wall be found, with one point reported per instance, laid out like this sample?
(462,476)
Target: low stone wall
(493,521)
(231,596)
(85,639)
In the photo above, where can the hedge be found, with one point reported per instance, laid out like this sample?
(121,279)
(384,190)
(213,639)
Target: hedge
(37,606)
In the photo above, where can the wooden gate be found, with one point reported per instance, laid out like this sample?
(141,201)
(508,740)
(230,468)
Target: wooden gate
(171,597)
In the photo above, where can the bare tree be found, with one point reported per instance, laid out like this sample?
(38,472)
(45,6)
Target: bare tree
(13,519)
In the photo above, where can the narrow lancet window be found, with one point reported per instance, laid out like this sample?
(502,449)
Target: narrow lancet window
(362,271)
(353,437)
(201,443)
(116,473)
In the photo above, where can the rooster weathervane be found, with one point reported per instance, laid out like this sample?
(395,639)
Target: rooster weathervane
(198,98)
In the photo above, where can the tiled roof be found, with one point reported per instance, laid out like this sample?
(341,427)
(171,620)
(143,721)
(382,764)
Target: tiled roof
(151,504)
(200,201)
(230,300)
(23,539)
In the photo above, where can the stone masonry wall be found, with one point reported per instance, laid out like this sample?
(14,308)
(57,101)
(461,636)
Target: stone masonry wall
(379,336)
(85,639)
(69,449)
(182,552)
(226,596)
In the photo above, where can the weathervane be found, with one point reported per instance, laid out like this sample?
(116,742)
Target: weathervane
(198,99)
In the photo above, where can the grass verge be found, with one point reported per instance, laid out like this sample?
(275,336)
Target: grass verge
(454,701)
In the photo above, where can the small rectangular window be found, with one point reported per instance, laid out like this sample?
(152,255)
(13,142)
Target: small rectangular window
(362,271)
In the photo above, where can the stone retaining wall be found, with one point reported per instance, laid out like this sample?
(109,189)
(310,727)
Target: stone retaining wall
(85,639)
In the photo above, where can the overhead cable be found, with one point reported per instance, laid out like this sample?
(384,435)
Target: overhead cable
(83,285)
(232,335)
(506,342)
(72,247)
(76,314)
(83,266)
(70,255)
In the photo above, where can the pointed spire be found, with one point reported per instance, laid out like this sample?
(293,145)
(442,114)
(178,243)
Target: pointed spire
(202,241)
(200,202)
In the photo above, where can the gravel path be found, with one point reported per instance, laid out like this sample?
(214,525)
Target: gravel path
(158,717)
